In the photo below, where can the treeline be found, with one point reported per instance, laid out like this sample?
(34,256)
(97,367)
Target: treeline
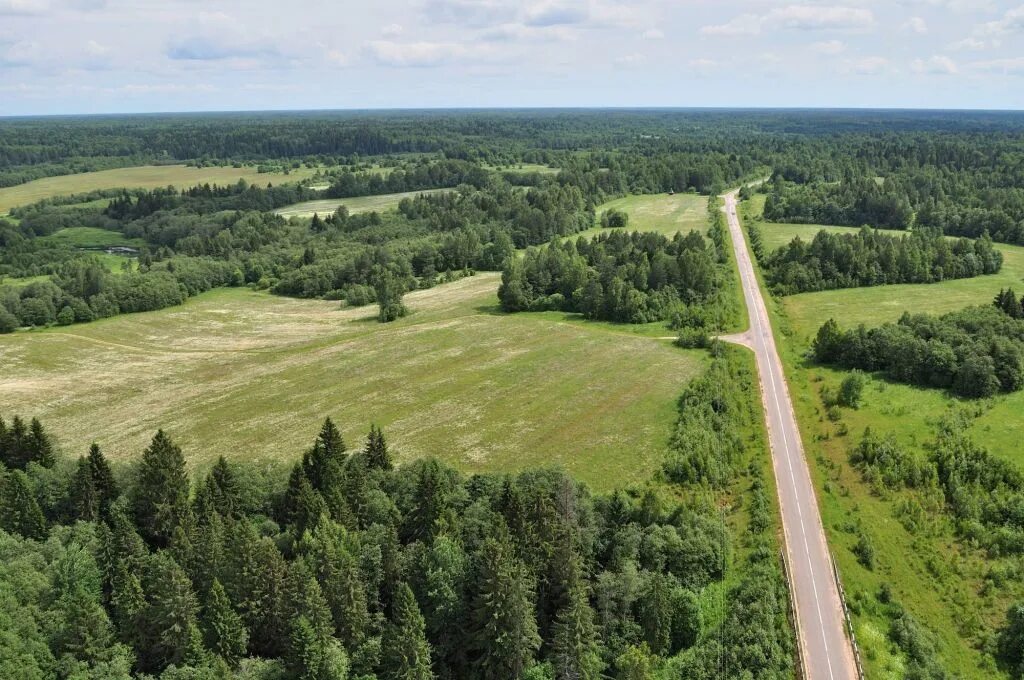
(871,258)
(354,568)
(84,290)
(421,176)
(975,352)
(624,277)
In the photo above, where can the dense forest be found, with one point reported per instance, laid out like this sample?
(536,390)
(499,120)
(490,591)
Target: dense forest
(974,352)
(873,258)
(353,567)
(626,277)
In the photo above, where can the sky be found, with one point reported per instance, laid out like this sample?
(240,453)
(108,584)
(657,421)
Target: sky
(108,56)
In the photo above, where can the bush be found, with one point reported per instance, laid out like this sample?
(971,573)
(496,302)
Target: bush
(865,551)
(851,389)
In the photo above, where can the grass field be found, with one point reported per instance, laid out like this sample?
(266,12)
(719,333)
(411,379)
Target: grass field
(143,177)
(660,213)
(776,234)
(92,237)
(937,578)
(358,204)
(250,375)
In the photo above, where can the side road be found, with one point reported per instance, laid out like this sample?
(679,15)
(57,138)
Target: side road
(824,647)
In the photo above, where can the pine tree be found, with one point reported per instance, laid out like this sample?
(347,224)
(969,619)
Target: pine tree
(377,455)
(102,478)
(170,620)
(505,636)
(313,655)
(576,652)
(323,462)
(121,558)
(254,578)
(40,448)
(337,571)
(656,612)
(19,510)
(13,448)
(83,497)
(160,496)
(406,651)
(226,635)
(224,490)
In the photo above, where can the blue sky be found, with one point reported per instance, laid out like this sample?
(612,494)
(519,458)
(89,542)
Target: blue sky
(94,56)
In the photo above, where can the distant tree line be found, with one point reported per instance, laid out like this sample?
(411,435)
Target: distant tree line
(871,258)
(974,352)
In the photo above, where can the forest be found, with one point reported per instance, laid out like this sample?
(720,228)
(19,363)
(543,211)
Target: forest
(354,567)
(974,352)
(873,258)
(624,277)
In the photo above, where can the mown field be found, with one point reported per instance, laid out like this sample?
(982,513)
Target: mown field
(143,177)
(92,237)
(660,213)
(938,579)
(357,204)
(250,376)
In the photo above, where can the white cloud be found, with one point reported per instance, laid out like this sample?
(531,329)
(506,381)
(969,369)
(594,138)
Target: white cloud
(1011,22)
(469,12)
(653,34)
(969,44)
(796,17)
(916,25)
(744,24)
(812,18)
(1009,67)
(23,7)
(95,49)
(829,47)
(555,14)
(392,30)
(935,65)
(417,54)
(866,66)
(634,59)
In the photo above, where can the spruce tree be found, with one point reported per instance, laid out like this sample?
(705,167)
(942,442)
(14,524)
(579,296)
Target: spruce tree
(40,448)
(406,651)
(505,636)
(170,620)
(576,652)
(323,462)
(13,448)
(377,455)
(224,490)
(160,496)
(83,496)
(19,510)
(226,635)
(102,478)
(313,655)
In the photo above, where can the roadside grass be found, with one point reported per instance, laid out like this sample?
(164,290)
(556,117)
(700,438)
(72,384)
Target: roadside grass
(250,376)
(91,237)
(357,204)
(939,579)
(142,177)
(660,213)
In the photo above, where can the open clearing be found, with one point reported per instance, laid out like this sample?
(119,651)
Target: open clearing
(357,204)
(939,580)
(92,237)
(250,375)
(141,177)
(659,212)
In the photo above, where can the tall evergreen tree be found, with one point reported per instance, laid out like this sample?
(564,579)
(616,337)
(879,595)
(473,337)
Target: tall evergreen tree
(160,497)
(576,652)
(505,636)
(223,487)
(40,447)
(377,455)
(406,651)
(226,635)
(19,510)
(170,621)
(83,496)
(102,477)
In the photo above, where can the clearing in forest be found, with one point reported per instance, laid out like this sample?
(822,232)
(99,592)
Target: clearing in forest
(250,376)
(139,177)
(662,213)
(355,204)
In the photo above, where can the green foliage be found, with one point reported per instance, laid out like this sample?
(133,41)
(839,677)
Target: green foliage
(975,352)
(406,651)
(19,510)
(614,219)
(226,635)
(388,291)
(851,389)
(160,495)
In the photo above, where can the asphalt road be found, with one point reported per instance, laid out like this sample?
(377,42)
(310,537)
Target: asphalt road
(825,649)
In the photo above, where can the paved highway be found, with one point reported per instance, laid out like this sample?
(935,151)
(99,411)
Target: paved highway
(824,647)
